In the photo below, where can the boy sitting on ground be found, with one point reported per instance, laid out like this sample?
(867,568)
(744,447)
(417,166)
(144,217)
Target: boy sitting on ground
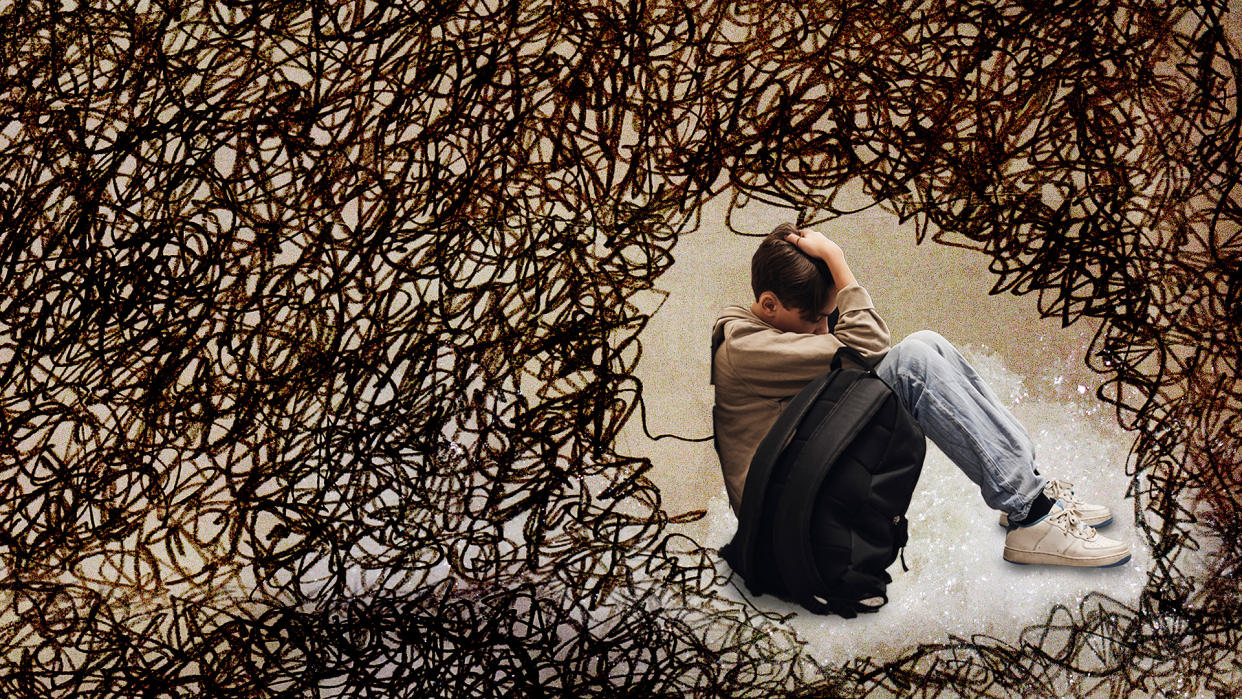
(763,355)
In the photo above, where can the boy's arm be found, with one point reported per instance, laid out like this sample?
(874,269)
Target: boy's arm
(777,364)
(858,326)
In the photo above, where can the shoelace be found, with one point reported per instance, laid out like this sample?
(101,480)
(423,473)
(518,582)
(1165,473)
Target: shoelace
(1063,491)
(1067,520)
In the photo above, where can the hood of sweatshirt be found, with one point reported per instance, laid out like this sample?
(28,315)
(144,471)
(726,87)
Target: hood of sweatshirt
(729,314)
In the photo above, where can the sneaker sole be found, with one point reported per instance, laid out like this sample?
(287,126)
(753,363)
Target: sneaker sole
(1004,522)
(1050,559)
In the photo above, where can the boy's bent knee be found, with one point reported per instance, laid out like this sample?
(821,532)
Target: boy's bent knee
(913,351)
(927,337)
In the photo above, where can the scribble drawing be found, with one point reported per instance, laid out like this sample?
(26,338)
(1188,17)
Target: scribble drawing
(319,321)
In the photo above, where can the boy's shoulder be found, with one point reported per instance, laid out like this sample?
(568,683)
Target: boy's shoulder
(734,320)
(741,337)
(737,313)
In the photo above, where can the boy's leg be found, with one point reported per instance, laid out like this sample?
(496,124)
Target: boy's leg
(964,418)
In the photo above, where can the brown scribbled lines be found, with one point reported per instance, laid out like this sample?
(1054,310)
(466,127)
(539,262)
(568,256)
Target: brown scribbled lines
(318,322)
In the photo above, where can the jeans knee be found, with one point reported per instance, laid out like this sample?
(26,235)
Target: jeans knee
(912,353)
(928,337)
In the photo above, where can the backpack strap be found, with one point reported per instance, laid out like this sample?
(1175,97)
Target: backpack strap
(794,557)
(856,357)
(745,541)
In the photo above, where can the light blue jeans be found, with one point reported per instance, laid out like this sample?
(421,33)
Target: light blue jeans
(965,419)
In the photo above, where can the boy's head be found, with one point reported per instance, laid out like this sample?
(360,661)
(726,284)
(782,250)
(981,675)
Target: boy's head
(793,291)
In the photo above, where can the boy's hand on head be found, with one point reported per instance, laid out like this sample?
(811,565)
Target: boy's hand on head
(816,244)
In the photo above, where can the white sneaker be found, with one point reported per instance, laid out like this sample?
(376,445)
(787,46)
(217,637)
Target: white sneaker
(1060,538)
(1095,516)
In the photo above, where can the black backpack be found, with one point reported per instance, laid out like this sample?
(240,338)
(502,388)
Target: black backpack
(823,510)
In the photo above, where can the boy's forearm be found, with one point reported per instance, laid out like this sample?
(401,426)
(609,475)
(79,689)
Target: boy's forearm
(860,326)
(842,276)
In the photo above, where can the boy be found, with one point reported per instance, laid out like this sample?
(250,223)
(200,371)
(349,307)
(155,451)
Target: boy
(764,354)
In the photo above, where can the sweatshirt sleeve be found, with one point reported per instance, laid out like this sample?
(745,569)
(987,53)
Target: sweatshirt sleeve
(777,364)
(859,325)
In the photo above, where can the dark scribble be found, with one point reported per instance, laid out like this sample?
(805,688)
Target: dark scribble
(318,323)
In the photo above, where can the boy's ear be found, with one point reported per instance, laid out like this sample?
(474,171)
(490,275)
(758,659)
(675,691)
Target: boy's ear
(768,302)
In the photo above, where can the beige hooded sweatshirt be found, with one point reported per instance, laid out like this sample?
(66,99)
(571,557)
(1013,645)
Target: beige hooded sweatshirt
(756,369)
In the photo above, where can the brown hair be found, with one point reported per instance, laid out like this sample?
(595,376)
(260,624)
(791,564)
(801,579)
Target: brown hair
(800,281)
